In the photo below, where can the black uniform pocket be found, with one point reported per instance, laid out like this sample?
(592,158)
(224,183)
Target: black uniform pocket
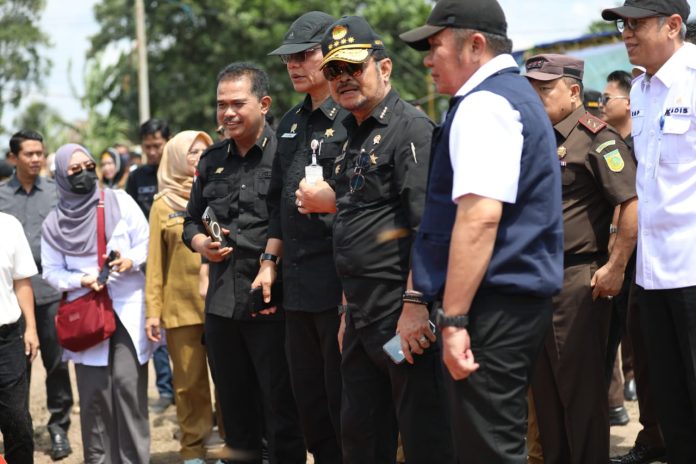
(261,184)
(216,193)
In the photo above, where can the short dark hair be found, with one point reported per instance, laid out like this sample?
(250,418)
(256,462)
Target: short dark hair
(573,81)
(21,136)
(257,76)
(622,79)
(153,126)
(691,32)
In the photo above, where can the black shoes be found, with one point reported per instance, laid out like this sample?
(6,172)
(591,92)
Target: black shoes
(641,454)
(630,391)
(161,405)
(60,447)
(618,416)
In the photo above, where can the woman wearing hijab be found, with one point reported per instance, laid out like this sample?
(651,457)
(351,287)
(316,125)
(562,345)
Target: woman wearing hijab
(113,169)
(172,294)
(112,375)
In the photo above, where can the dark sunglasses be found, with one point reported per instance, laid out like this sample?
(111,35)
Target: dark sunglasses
(78,167)
(357,182)
(334,69)
(299,57)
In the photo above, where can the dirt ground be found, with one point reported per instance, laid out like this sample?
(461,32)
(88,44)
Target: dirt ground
(164,445)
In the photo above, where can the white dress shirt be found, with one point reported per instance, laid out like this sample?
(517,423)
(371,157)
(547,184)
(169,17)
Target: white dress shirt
(127,290)
(16,263)
(486,140)
(663,110)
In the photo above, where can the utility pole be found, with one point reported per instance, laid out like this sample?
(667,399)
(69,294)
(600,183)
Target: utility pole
(141,44)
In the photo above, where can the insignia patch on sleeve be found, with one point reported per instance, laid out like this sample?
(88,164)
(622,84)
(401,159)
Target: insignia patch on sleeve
(614,161)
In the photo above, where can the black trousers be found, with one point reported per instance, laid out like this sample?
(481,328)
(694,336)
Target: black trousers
(668,320)
(59,398)
(251,376)
(381,399)
(489,408)
(315,373)
(15,421)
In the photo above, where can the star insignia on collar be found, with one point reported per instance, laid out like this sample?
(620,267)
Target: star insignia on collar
(377,139)
(561,152)
(329,132)
(384,112)
(293,128)
(338,169)
(333,111)
(373,159)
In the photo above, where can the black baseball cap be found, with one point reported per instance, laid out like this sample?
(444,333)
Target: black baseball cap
(304,33)
(481,15)
(636,9)
(349,39)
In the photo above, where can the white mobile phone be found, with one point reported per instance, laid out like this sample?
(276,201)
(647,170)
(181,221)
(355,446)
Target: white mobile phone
(393,347)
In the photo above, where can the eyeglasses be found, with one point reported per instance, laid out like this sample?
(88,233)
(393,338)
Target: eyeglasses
(631,24)
(604,99)
(334,69)
(78,167)
(299,57)
(357,182)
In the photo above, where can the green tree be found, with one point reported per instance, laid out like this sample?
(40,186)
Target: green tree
(21,65)
(190,41)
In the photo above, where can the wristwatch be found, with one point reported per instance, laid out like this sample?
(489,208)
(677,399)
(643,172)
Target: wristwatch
(461,321)
(269,257)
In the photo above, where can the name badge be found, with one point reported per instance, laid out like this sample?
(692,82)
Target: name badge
(289,135)
(177,214)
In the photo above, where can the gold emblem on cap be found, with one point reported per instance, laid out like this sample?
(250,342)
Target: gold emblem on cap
(351,40)
(293,128)
(377,139)
(329,132)
(336,43)
(339,32)
(561,152)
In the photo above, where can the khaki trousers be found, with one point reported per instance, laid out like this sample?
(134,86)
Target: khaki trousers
(194,409)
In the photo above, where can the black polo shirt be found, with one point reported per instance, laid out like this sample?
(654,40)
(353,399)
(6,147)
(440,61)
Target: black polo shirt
(235,187)
(376,224)
(142,186)
(309,271)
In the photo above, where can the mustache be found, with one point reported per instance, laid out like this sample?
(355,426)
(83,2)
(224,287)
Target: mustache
(346,86)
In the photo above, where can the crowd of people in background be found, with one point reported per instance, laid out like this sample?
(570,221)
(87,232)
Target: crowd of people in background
(363,285)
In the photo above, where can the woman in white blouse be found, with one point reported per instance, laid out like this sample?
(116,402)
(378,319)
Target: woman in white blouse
(111,376)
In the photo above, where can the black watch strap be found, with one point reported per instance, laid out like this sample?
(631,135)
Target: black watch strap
(269,257)
(461,321)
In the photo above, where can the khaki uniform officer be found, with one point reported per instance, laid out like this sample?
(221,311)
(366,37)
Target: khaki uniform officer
(597,174)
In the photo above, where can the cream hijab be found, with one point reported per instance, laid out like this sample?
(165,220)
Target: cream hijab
(173,179)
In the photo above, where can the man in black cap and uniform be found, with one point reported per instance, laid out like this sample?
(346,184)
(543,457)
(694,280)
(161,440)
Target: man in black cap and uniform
(246,353)
(311,288)
(490,242)
(380,178)
(597,174)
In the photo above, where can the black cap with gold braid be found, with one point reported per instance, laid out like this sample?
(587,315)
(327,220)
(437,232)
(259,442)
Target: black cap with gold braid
(349,39)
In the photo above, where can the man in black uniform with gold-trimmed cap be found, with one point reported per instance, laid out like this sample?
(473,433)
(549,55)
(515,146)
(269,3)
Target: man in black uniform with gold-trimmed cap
(311,290)
(380,177)
(597,174)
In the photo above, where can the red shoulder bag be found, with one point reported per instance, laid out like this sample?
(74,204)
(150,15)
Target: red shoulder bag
(88,320)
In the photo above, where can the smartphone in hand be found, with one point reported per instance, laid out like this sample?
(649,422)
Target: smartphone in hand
(212,226)
(106,267)
(393,347)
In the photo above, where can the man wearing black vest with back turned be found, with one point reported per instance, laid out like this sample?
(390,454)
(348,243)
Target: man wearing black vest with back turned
(490,244)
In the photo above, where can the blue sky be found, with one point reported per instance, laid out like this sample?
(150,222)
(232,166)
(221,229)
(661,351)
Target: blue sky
(529,22)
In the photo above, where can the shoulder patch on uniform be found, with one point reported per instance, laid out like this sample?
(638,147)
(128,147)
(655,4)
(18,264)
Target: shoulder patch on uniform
(614,161)
(606,144)
(592,123)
